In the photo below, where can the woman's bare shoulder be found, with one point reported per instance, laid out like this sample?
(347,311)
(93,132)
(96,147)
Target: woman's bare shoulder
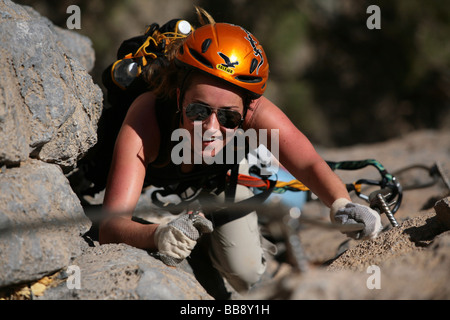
(262,111)
(143,104)
(141,119)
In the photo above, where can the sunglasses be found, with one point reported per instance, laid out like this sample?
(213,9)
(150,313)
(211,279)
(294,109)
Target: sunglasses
(200,112)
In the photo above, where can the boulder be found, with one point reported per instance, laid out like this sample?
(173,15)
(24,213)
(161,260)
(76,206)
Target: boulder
(119,271)
(41,221)
(49,109)
(49,105)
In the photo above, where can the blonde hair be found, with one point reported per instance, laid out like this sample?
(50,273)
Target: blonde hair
(163,76)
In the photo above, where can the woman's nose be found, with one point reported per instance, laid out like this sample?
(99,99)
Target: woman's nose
(212,122)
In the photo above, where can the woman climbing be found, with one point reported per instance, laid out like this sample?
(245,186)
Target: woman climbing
(211,85)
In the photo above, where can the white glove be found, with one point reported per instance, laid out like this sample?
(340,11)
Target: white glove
(176,239)
(345,212)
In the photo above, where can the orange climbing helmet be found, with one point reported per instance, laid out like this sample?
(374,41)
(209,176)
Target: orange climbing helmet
(229,52)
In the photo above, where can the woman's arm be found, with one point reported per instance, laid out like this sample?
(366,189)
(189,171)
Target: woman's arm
(136,146)
(297,154)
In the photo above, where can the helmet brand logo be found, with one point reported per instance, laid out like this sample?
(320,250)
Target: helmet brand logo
(227,66)
(224,68)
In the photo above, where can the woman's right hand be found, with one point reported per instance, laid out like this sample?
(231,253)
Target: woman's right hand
(176,239)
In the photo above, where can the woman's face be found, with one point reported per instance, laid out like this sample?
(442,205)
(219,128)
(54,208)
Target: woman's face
(211,132)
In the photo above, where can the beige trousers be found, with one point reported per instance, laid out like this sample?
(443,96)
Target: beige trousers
(237,249)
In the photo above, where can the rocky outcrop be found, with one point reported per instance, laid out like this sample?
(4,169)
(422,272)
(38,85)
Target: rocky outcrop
(49,104)
(49,109)
(118,271)
(49,112)
(41,221)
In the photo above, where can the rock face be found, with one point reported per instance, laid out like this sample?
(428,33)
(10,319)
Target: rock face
(40,222)
(118,271)
(49,112)
(49,108)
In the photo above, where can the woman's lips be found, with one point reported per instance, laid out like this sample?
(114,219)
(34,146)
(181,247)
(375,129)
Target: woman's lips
(208,141)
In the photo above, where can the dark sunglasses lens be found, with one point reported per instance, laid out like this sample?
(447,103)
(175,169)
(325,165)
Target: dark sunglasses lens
(229,118)
(198,112)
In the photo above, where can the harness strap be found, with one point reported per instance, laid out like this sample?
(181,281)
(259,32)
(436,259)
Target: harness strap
(259,183)
(241,208)
(230,192)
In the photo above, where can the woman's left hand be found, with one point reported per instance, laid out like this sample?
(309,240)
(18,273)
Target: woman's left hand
(345,212)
